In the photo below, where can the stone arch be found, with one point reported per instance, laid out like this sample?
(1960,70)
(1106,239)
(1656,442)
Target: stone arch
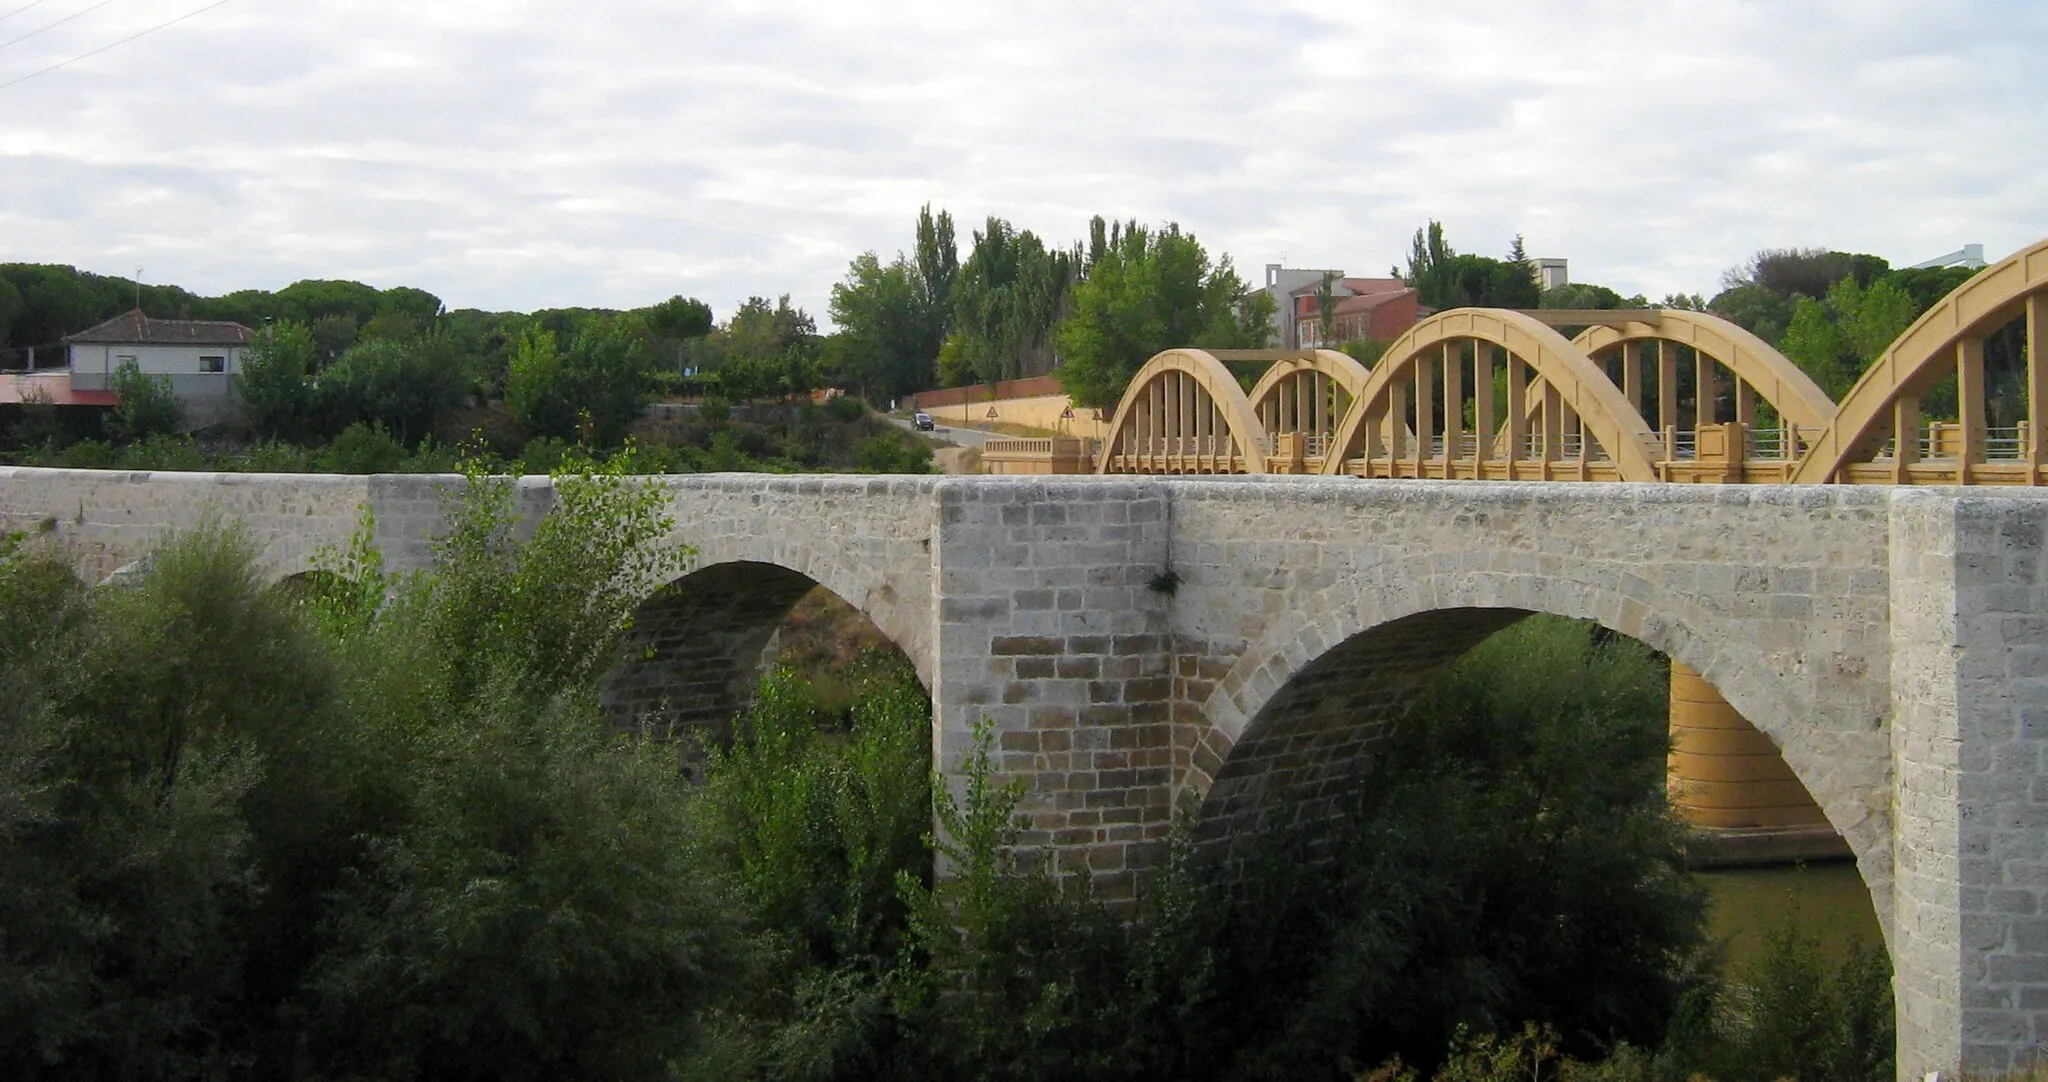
(1937,344)
(1558,363)
(695,650)
(1294,721)
(1186,396)
(1789,390)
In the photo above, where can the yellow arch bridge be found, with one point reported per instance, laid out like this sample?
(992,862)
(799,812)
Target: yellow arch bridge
(1650,396)
(1657,395)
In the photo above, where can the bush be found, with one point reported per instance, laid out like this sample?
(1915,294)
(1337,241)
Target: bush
(147,407)
(714,409)
(846,409)
(361,449)
(274,382)
(377,828)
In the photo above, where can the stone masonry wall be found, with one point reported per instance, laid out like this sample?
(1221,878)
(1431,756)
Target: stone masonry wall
(1970,738)
(1778,595)
(1049,631)
(1894,644)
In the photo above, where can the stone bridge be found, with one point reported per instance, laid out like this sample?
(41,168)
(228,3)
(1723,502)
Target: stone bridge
(1229,649)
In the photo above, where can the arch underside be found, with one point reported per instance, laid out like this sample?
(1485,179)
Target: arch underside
(697,648)
(1304,753)
(1313,743)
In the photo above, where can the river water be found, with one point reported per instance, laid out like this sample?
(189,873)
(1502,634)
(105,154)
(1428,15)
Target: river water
(1826,901)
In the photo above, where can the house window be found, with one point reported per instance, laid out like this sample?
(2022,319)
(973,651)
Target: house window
(213,364)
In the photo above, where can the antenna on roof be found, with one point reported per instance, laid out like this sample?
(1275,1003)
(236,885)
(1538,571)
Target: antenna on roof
(138,289)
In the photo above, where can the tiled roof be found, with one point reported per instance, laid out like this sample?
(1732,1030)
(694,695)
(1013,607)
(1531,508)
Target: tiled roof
(135,329)
(1374,285)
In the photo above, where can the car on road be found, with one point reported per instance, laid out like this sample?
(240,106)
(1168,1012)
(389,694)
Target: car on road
(923,422)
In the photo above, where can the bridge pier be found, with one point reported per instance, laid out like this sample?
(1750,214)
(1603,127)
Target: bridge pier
(1728,782)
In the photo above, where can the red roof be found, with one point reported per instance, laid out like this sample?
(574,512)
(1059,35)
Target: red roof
(51,387)
(135,329)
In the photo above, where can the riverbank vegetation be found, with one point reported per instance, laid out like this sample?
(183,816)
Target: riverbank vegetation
(372,826)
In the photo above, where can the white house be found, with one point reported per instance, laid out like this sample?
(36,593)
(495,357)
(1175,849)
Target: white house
(199,356)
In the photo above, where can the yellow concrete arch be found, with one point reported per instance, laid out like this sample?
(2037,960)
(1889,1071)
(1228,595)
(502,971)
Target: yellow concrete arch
(1580,384)
(1780,382)
(1214,384)
(1928,351)
(1300,386)
(1342,368)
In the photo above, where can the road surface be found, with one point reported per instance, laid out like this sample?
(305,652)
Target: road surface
(964,437)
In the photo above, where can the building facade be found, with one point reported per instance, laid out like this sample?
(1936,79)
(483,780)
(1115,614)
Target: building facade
(199,357)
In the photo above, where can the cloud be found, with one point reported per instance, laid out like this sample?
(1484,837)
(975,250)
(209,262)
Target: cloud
(613,152)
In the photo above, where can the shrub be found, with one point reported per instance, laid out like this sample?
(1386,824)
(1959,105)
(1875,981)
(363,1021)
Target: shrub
(147,407)
(846,409)
(362,449)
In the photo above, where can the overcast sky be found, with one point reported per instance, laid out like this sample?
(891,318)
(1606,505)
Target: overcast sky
(514,155)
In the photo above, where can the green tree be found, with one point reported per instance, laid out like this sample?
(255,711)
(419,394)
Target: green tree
(1010,295)
(405,386)
(1814,343)
(1445,279)
(937,259)
(537,387)
(146,406)
(884,327)
(593,391)
(1151,290)
(274,380)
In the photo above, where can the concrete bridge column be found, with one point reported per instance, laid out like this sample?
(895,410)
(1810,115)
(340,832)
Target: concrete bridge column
(1052,625)
(1969,676)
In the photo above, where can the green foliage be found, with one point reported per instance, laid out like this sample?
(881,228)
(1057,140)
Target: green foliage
(883,327)
(893,452)
(148,406)
(1007,300)
(252,833)
(1147,291)
(1366,351)
(401,385)
(1445,279)
(274,380)
(362,449)
(593,392)
(846,409)
(1790,1015)
(816,823)
(678,318)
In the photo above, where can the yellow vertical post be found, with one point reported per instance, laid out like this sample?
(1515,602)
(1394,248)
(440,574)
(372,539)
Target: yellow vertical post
(1482,402)
(1632,373)
(1425,410)
(1667,385)
(1397,419)
(2037,385)
(1969,405)
(1905,437)
(1706,391)
(1518,411)
(1454,405)
(1553,427)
